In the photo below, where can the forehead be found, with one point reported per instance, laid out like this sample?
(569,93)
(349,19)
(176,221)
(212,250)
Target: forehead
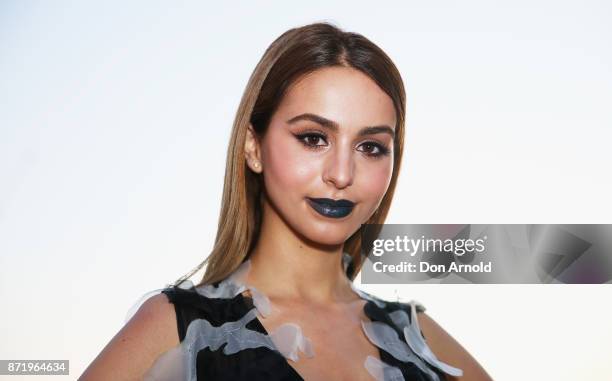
(342,94)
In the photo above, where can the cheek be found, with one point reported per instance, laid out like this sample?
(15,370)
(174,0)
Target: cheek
(375,182)
(288,167)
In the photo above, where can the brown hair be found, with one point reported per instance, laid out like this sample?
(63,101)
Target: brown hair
(295,53)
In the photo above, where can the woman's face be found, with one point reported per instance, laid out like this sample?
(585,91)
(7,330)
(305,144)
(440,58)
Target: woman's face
(318,145)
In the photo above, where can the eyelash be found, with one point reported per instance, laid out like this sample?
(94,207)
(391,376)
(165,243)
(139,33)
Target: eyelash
(383,151)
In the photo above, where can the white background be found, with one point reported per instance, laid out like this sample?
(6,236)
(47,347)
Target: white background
(115,118)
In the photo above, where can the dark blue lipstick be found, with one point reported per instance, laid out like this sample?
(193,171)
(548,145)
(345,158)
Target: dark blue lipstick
(331,208)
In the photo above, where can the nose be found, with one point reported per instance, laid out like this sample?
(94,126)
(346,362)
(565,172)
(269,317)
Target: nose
(339,168)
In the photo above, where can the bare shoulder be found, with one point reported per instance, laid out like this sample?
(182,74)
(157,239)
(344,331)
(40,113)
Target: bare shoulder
(448,350)
(131,352)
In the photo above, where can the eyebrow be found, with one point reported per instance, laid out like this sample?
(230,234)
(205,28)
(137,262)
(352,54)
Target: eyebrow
(333,126)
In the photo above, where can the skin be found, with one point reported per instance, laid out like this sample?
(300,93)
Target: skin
(296,261)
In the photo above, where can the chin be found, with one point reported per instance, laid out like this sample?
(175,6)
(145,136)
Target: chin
(328,235)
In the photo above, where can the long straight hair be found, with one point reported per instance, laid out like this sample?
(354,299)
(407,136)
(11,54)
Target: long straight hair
(295,53)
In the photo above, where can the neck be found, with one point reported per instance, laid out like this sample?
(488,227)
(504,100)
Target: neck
(288,266)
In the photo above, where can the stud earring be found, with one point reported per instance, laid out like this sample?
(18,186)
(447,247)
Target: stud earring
(256,165)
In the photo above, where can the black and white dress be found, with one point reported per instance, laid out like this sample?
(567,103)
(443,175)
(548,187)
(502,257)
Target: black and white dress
(223,339)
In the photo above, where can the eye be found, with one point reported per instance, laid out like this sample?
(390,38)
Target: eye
(374,149)
(311,139)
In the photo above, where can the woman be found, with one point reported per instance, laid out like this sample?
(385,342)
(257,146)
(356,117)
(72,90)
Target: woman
(314,153)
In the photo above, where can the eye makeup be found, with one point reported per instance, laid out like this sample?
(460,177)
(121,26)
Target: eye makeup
(310,139)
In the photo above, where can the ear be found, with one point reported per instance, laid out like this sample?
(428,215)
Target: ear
(252,150)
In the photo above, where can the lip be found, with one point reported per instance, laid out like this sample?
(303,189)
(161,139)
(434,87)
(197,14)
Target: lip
(328,207)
